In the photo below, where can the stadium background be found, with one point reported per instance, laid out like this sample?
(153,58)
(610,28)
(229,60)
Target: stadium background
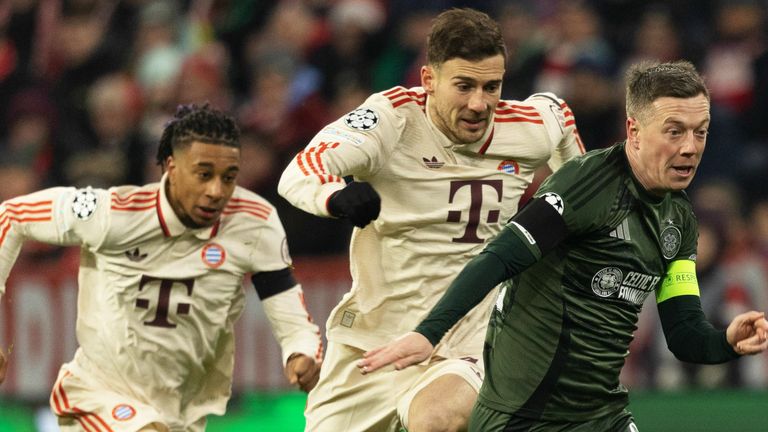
(86,86)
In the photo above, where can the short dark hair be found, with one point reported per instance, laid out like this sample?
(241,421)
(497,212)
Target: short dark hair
(466,34)
(648,81)
(197,123)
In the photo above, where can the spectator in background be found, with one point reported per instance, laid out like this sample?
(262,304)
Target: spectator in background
(574,35)
(739,40)
(349,53)
(526,44)
(400,61)
(31,120)
(109,148)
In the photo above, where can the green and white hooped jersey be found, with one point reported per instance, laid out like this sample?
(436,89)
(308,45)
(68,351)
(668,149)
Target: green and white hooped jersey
(561,330)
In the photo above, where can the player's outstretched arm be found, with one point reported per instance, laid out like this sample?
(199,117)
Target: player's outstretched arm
(407,350)
(302,371)
(748,333)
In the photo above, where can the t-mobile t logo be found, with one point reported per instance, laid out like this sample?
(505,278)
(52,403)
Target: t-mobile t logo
(164,300)
(475,207)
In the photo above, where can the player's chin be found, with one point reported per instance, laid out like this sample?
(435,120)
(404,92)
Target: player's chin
(206,219)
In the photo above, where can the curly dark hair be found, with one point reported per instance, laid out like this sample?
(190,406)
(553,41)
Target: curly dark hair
(197,123)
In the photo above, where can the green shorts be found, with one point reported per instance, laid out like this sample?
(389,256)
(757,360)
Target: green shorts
(484,419)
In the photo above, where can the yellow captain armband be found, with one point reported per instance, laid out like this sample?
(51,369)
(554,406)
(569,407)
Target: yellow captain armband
(680,280)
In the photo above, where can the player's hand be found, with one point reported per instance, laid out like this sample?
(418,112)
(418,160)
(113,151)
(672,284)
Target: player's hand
(358,201)
(748,333)
(3,365)
(409,349)
(302,371)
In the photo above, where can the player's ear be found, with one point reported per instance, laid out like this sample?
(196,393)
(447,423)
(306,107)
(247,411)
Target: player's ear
(170,166)
(428,79)
(633,131)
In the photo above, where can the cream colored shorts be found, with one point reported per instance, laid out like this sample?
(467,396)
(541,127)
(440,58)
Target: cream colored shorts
(83,405)
(346,400)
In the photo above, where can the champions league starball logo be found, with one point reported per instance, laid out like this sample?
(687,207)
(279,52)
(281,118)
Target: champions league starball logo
(554,200)
(363,119)
(84,204)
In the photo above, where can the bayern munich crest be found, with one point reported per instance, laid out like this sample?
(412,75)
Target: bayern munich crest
(84,204)
(123,412)
(363,119)
(607,281)
(213,255)
(509,167)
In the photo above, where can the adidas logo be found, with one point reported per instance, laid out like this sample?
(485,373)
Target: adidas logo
(433,163)
(135,255)
(621,231)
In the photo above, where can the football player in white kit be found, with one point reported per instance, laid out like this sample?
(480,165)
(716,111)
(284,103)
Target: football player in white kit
(437,170)
(161,284)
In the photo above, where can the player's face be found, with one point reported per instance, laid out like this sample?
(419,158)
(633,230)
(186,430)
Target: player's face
(669,142)
(463,95)
(201,179)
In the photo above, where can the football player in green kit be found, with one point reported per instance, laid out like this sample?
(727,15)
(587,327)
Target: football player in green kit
(604,232)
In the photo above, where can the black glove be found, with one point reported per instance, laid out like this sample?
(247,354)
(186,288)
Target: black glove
(358,202)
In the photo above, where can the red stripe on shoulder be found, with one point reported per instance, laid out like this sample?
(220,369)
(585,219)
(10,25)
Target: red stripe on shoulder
(404,96)
(257,214)
(516,119)
(141,196)
(18,204)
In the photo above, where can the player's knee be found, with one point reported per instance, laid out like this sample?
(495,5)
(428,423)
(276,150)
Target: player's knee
(436,421)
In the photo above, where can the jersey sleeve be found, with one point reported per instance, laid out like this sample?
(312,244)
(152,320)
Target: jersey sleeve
(282,298)
(354,145)
(62,216)
(572,192)
(292,325)
(560,124)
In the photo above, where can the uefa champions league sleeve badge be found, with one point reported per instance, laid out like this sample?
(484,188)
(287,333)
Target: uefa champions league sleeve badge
(84,203)
(363,119)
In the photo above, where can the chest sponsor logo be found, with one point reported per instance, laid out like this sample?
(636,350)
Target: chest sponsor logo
(634,288)
(478,207)
(123,412)
(607,281)
(363,119)
(84,204)
(213,255)
(433,163)
(509,167)
(671,238)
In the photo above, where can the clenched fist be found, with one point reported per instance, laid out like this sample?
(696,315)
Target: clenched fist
(303,371)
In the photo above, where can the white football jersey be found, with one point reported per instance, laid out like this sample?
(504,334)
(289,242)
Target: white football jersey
(157,300)
(440,203)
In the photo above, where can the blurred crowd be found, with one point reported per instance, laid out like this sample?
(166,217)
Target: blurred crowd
(87,85)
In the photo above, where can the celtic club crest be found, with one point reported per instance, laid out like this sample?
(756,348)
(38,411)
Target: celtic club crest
(671,238)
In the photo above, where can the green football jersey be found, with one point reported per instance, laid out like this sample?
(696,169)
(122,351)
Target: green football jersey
(561,330)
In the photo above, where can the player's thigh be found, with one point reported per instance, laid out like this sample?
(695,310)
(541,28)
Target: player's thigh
(80,405)
(445,392)
(346,400)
